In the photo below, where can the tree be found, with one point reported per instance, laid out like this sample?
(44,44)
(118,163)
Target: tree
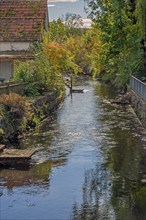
(73,23)
(57,32)
(72,20)
(121,50)
(141,15)
(60,58)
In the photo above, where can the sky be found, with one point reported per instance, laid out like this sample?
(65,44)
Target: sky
(57,8)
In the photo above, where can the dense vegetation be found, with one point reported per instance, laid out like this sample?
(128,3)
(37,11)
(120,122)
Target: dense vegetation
(122,30)
(52,59)
(14,115)
(67,48)
(113,48)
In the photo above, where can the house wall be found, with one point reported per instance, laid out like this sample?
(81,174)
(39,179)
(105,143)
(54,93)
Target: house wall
(15,46)
(6,69)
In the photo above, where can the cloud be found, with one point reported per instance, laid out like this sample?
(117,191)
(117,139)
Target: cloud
(51,6)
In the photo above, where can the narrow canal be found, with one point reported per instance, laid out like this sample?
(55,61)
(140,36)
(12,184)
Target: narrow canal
(90,164)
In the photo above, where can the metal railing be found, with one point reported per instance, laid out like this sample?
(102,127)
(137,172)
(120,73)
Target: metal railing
(138,86)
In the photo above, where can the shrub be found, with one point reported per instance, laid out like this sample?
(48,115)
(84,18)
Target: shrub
(32,89)
(15,104)
(1,134)
(1,131)
(140,197)
(24,71)
(15,115)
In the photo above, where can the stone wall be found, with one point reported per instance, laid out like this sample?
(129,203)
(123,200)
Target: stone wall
(40,108)
(139,107)
(45,104)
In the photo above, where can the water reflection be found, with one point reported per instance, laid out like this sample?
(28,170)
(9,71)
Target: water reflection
(36,175)
(90,164)
(96,197)
(125,159)
(110,190)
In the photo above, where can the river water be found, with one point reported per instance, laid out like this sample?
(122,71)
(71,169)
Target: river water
(90,164)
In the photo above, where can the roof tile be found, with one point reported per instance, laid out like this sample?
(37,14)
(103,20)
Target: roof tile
(22,20)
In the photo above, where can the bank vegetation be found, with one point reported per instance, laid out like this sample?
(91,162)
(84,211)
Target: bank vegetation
(112,49)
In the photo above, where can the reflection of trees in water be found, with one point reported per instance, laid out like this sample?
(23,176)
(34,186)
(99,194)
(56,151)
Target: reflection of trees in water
(105,91)
(42,135)
(126,166)
(95,196)
(37,175)
(109,190)
(124,161)
(89,206)
(114,192)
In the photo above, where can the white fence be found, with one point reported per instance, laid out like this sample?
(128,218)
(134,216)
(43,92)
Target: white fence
(139,87)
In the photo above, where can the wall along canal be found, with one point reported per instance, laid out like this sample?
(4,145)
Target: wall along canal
(90,164)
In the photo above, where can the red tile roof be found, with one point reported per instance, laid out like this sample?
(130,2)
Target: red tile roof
(22,20)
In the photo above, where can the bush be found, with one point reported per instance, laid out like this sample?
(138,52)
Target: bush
(1,134)
(14,116)
(15,104)
(32,89)
(24,71)
(140,197)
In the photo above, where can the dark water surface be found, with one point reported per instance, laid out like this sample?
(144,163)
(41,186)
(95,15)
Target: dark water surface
(90,164)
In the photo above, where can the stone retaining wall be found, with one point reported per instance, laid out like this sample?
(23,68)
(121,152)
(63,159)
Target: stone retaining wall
(139,106)
(41,107)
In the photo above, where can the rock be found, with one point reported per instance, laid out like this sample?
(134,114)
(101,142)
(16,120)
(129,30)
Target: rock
(123,100)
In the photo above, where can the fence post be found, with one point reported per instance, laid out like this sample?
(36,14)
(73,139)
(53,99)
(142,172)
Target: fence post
(8,89)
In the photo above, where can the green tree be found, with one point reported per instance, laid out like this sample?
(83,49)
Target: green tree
(57,32)
(141,16)
(72,20)
(121,52)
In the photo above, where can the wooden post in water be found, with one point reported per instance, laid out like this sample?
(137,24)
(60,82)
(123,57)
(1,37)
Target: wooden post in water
(71,85)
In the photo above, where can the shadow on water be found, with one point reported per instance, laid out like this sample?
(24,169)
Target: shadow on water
(114,188)
(90,164)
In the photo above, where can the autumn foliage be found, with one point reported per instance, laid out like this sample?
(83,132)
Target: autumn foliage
(61,59)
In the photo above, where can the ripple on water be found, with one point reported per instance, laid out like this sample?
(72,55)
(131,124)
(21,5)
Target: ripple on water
(96,149)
